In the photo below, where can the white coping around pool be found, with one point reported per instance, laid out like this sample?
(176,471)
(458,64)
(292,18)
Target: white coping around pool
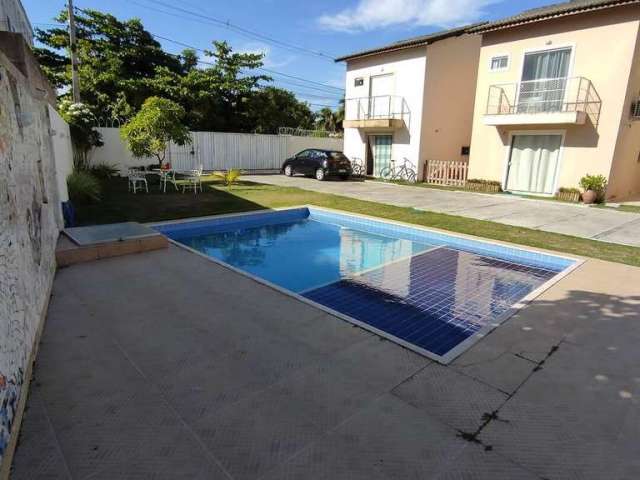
(443,359)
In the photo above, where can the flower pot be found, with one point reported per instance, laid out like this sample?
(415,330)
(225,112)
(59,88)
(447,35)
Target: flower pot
(589,197)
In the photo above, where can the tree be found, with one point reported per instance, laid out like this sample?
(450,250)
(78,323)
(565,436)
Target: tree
(329,120)
(271,108)
(149,132)
(115,58)
(121,65)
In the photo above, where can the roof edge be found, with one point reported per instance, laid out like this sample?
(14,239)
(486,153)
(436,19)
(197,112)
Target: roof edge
(576,10)
(411,42)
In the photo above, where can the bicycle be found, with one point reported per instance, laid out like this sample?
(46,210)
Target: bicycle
(405,173)
(357,167)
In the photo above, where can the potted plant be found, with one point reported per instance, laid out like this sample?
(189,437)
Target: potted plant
(594,187)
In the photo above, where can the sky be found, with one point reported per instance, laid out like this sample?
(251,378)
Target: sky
(298,37)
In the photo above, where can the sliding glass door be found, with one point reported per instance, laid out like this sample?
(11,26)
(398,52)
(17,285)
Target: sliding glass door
(544,81)
(533,163)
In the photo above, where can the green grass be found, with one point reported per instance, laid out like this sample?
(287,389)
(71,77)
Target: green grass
(118,205)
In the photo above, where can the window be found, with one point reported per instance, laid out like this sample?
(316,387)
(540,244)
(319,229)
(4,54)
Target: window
(499,63)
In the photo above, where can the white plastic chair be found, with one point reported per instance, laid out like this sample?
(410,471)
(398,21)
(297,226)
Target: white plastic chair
(137,177)
(167,176)
(193,180)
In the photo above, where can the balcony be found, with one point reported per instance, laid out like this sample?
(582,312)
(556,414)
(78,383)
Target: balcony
(380,112)
(555,101)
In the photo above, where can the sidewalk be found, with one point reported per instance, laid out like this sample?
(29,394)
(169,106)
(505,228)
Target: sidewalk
(571,219)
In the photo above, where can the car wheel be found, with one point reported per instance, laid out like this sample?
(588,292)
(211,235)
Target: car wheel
(320,175)
(288,171)
(344,177)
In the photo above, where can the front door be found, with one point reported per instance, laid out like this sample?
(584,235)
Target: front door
(380,152)
(380,91)
(533,163)
(544,81)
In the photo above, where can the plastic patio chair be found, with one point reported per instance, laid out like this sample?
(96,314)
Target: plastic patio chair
(192,180)
(167,175)
(137,177)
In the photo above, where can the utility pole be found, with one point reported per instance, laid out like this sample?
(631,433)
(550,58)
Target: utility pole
(75,82)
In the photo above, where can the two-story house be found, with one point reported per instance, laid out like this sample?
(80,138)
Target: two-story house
(411,100)
(556,98)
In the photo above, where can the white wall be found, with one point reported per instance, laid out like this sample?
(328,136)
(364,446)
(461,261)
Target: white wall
(408,67)
(62,152)
(215,151)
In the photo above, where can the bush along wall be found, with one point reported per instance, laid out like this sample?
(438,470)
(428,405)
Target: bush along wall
(479,185)
(568,194)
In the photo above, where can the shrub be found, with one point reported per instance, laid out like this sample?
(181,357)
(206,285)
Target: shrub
(597,183)
(480,185)
(83,187)
(229,177)
(84,135)
(567,194)
(104,171)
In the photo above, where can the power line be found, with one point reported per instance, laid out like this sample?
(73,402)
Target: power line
(252,33)
(264,69)
(268,70)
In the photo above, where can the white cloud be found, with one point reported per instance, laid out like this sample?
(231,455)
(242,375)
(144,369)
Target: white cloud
(373,14)
(270,59)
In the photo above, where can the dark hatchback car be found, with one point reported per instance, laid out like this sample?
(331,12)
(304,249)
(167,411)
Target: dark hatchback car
(319,163)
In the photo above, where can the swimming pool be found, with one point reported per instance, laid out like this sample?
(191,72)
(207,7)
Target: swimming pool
(432,292)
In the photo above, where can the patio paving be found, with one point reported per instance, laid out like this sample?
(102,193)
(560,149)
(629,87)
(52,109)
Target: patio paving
(571,219)
(164,365)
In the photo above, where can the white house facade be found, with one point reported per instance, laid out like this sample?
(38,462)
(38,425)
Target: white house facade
(394,98)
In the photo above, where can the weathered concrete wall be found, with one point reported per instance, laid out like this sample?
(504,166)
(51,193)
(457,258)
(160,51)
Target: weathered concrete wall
(30,220)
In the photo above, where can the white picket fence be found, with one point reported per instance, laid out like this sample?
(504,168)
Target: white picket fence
(451,173)
(216,151)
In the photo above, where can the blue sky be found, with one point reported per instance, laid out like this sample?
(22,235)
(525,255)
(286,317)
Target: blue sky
(331,27)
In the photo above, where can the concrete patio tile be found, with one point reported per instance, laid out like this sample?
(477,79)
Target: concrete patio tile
(539,219)
(569,422)
(453,398)
(39,453)
(389,440)
(476,463)
(494,366)
(569,219)
(106,417)
(628,234)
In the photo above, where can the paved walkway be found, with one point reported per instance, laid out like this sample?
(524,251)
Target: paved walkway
(164,365)
(577,220)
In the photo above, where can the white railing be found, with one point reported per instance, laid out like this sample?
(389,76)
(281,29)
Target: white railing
(551,95)
(450,173)
(384,107)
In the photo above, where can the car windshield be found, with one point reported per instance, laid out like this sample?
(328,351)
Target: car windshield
(338,156)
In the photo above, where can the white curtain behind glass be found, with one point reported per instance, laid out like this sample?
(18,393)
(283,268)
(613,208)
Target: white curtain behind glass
(544,79)
(533,163)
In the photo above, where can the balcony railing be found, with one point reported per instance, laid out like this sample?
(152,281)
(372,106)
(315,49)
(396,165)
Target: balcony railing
(553,95)
(384,107)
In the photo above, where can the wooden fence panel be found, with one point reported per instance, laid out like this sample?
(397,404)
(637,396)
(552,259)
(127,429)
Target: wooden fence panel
(448,173)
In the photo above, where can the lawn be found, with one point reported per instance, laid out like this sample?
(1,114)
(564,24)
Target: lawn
(118,205)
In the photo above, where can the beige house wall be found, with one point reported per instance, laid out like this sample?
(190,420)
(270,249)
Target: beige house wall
(624,181)
(604,45)
(450,88)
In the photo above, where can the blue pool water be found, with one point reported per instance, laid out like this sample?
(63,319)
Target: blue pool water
(426,290)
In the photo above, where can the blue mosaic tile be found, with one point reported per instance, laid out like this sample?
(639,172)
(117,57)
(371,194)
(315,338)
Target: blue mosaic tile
(434,300)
